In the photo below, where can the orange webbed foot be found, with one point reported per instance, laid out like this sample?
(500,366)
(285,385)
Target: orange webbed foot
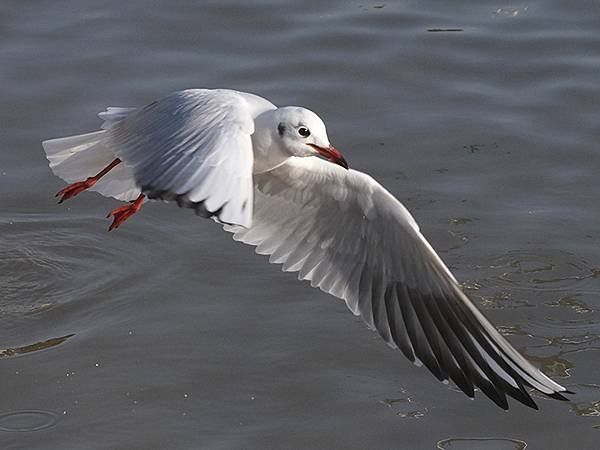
(122,213)
(73,189)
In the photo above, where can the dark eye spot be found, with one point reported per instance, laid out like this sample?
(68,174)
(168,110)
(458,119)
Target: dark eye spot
(281,129)
(304,132)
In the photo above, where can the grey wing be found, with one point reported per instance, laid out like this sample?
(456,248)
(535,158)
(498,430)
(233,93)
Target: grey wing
(351,238)
(193,146)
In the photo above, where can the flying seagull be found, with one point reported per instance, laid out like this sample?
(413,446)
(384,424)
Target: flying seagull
(272,178)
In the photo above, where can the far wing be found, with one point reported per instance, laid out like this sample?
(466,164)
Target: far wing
(351,238)
(194,147)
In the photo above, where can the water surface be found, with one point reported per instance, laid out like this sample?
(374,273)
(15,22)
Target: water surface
(167,334)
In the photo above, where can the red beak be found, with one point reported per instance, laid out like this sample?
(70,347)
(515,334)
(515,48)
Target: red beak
(331,154)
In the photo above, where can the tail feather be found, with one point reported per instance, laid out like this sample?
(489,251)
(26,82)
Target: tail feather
(76,158)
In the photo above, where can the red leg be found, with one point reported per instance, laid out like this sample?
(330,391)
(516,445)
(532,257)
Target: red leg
(76,188)
(122,213)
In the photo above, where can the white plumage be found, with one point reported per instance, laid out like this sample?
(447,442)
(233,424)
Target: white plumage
(237,158)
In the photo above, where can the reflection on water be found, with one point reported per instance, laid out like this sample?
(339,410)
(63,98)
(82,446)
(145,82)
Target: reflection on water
(513,330)
(533,269)
(482,444)
(503,300)
(554,366)
(406,406)
(589,392)
(413,414)
(459,238)
(34,347)
(582,341)
(511,12)
(587,409)
(460,220)
(574,302)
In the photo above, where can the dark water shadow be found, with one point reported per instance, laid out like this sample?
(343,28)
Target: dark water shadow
(485,443)
(36,347)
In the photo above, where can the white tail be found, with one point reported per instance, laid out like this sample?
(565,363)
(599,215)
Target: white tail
(76,158)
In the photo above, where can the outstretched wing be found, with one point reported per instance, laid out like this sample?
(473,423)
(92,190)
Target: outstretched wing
(351,238)
(193,146)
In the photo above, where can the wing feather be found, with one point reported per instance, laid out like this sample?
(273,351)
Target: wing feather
(194,146)
(351,238)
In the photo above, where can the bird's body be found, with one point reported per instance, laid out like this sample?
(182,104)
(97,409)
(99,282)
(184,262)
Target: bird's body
(238,158)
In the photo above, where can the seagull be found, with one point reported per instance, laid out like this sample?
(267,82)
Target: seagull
(271,177)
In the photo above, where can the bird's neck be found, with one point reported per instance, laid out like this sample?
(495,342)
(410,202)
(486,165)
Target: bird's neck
(268,153)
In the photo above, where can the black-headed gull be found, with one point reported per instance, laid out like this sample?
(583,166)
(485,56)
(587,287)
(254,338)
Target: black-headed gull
(239,159)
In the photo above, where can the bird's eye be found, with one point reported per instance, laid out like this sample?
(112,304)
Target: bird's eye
(304,132)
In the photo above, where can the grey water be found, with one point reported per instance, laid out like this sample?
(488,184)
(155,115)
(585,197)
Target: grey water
(166,334)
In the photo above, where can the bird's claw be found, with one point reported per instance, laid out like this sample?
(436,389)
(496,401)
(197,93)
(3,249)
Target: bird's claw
(122,213)
(73,189)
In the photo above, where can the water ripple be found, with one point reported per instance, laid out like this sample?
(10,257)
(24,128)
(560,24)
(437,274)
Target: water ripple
(48,261)
(27,420)
(543,269)
(406,406)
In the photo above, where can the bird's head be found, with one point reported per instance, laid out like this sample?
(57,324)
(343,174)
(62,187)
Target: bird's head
(303,133)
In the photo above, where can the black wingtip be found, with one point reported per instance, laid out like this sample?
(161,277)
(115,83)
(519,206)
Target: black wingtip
(498,397)
(523,397)
(533,405)
(560,397)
